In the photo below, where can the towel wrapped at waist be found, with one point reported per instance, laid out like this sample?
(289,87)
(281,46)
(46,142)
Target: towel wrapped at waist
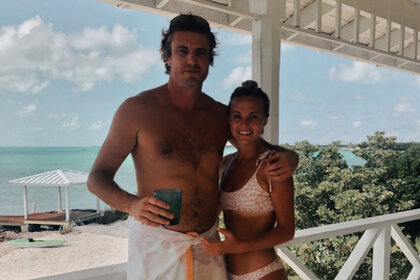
(159,253)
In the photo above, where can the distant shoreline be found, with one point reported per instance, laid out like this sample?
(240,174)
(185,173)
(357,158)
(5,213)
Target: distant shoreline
(345,147)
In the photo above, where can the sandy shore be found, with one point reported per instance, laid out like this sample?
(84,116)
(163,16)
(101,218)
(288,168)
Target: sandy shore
(86,246)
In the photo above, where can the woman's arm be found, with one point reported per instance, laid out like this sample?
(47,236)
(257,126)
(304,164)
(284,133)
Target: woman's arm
(282,196)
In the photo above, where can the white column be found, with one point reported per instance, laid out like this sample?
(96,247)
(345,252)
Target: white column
(67,204)
(25,202)
(266,58)
(59,199)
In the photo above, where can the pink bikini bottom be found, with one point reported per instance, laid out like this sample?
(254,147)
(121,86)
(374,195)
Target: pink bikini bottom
(259,273)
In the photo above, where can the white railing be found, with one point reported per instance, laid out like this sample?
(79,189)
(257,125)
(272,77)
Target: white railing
(108,272)
(378,232)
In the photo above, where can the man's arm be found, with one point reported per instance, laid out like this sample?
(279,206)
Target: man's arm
(121,140)
(281,165)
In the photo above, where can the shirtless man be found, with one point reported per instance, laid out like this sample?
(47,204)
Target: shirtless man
(176,135)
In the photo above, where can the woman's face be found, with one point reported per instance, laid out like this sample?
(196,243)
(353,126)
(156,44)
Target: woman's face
(246,119)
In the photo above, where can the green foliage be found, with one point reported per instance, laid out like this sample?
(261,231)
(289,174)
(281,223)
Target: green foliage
(327,191)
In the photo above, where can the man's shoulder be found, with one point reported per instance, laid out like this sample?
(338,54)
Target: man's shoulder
(143,99)
(215,105)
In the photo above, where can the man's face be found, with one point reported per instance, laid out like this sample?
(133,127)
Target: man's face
(189,60)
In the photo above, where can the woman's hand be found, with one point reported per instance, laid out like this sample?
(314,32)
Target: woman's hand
(230,245)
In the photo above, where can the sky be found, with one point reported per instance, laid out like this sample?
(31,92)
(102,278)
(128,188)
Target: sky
(66,66)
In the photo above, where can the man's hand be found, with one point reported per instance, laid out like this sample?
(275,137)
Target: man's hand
(280,165)
(147,209)
(230,245)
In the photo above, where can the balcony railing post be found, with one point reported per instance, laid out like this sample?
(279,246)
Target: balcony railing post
(381,254)
(358,254)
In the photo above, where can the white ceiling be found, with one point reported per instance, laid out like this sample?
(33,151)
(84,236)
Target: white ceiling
(317,24)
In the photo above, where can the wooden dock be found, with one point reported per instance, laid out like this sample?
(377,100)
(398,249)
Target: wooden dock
(49,218)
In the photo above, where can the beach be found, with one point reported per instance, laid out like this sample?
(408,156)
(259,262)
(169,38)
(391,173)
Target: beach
(87,246)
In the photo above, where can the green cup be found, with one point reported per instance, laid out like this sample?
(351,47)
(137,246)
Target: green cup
(174,198)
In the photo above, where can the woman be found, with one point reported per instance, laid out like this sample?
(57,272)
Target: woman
(258,213)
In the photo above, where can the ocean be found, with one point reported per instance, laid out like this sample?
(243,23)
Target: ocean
(18,162)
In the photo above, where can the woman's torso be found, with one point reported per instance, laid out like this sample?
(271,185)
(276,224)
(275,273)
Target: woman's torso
(248,212)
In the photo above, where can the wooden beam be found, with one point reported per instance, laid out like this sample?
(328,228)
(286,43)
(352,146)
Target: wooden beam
(356,24)
(161,4)
(388,35)
(372,36)
(402,39)
(338,19)
(412,50)
(236,21)
(221,8)
(318,18)
(44,222)
(308,14)
(297,13)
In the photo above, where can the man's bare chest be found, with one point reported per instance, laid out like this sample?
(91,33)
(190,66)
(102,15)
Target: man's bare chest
(173,136)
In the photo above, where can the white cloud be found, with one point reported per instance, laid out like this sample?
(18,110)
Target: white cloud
(245,58)
(237,76)
(299,96)
(403,108)
(97,125)
(356,124)
(286,47)
(358,97)
(418,80)
(72,125)
(33,54)
(412,137)
(40,87)
(27,110)
(52,116)
(35,128)
(307,123)
(359,72)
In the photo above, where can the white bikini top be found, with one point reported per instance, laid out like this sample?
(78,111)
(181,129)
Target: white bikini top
(251,197)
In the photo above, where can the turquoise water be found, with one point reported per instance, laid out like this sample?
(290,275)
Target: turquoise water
(17,162)
(20,162)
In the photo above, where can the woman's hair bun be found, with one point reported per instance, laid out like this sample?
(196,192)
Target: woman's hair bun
(249,84)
